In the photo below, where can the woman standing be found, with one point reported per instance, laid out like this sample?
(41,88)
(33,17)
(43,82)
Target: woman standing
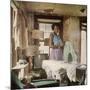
(55,43)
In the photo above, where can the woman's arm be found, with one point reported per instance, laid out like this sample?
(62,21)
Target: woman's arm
(61,44)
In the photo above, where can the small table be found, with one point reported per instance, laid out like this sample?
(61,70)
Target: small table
(21,68)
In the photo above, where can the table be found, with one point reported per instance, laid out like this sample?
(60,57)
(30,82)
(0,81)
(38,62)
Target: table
(21,68)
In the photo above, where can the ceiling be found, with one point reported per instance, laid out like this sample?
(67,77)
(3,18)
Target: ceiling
(54,8)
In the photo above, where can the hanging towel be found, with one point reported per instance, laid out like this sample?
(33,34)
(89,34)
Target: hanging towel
(69,50)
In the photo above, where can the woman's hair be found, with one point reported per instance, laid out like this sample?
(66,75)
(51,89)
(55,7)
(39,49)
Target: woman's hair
(55,24)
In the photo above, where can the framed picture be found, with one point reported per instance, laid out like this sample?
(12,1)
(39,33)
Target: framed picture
(48,44)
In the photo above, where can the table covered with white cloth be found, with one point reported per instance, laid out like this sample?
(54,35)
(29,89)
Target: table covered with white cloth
(52,68)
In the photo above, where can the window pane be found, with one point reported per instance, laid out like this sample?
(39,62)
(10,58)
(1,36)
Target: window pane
(46,35)
(48,28)
(42,27)
(44,49)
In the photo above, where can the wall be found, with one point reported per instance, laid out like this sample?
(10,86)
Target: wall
(19,35)
(30,21)
(71,32)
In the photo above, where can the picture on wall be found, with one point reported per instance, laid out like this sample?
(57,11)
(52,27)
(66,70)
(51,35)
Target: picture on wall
(48,44)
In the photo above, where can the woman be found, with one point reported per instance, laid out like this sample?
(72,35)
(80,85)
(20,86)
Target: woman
(55,43)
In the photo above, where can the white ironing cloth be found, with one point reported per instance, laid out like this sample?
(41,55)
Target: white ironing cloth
(52,68)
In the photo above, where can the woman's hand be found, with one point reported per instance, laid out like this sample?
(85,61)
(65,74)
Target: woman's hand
(55,46)
(61,45)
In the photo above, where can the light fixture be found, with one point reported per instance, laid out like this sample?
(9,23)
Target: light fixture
(32,50)
(82,10)
(49,20)
(37,34)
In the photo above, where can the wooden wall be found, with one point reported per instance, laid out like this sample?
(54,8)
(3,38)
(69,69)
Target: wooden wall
(71,32)
(19,33)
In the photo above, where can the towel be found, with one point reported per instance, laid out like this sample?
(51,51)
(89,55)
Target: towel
(69,50)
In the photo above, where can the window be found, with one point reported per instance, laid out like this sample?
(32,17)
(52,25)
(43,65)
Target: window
(46,28)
